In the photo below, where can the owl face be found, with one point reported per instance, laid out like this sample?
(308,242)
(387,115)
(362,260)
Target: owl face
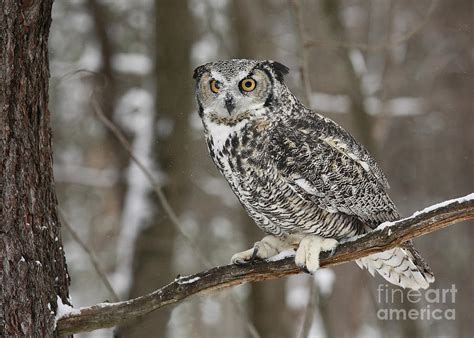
(232,90)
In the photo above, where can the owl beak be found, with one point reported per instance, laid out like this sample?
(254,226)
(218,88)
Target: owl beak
(229,104)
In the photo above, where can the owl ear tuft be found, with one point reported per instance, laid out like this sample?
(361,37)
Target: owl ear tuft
(198,71)
(280,69)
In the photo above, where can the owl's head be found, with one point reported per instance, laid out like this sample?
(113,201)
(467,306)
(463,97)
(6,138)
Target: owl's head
(232,90)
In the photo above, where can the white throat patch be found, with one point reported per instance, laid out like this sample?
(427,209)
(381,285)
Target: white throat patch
(221,132)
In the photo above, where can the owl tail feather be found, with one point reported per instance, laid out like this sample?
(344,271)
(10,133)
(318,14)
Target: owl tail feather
(401,266)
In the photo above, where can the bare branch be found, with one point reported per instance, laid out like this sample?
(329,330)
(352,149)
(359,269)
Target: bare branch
(149,176)
(384,238)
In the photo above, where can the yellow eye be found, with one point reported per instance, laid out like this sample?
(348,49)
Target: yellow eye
(247,85)
(215,86)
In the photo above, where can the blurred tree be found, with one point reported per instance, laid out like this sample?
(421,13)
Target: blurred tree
(108,153)
(153,261)
(362,120)
(33,275)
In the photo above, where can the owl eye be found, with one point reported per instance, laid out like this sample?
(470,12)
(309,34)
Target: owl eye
(247,85)
(215,86)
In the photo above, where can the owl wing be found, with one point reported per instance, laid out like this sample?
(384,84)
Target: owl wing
(322,162)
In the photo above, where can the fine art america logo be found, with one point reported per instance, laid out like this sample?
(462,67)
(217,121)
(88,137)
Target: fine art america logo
(431,304)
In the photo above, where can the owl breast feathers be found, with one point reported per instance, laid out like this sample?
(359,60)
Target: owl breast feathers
(296,172)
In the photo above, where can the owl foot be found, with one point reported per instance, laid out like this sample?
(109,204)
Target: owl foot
(267,247)
(307,254)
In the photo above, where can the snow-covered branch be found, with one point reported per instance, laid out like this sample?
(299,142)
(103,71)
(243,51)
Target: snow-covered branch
(385,237)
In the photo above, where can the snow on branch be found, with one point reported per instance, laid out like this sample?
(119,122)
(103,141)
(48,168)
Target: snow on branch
(386,236)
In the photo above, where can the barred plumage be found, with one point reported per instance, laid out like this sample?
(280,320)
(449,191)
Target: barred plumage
(297,173)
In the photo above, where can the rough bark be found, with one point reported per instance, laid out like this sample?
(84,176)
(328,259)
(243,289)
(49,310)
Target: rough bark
(109,314)
(33,269)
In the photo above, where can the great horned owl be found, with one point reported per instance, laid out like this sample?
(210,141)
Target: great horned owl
(303,179)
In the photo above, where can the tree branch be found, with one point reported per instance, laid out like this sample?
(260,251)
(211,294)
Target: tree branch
(385,237)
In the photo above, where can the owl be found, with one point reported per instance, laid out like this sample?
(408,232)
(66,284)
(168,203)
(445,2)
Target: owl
(305,181)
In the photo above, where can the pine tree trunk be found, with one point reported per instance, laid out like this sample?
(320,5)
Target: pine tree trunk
(33,271)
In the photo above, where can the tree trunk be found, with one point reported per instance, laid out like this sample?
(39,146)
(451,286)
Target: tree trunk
(33,271)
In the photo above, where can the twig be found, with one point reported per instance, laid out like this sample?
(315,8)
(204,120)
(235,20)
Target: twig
(382,239)
(383,45)
(90,254)
(149,176)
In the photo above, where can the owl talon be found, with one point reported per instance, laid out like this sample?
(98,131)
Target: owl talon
(268,247)
(242,258)
(241,262)
(307,255)
(254,254)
